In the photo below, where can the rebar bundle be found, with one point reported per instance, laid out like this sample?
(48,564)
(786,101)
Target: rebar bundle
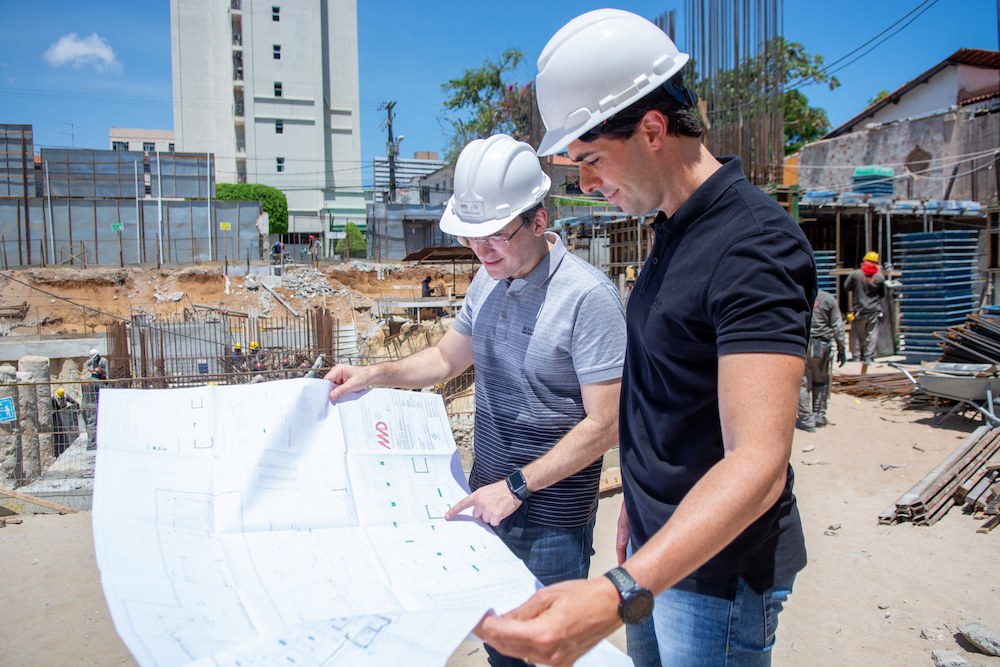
(737,68)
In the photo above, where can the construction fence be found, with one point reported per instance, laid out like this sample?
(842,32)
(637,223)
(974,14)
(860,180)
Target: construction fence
(49,436)
(63,231)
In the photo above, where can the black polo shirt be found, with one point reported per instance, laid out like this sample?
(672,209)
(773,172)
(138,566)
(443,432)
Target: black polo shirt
(729,273)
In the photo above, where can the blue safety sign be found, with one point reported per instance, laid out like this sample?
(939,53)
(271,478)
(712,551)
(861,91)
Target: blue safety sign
(7,413)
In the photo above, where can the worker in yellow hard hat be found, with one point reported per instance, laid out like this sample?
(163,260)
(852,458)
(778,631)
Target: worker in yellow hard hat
(64,426)
(867,285)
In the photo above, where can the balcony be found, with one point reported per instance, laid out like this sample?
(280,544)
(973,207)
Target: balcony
(241,177)
(241,147)
(235,6)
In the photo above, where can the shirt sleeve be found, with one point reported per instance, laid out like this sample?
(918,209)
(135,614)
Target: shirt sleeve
(761,294)
(466,317)
(599,336)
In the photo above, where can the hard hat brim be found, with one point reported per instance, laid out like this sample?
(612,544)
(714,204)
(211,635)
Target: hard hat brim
(452,224)
(557,139)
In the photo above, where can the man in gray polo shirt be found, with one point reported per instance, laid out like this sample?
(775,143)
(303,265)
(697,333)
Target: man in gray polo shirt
(546,331)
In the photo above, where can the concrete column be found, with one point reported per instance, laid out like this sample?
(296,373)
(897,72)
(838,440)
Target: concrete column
(35,416)
(10,439)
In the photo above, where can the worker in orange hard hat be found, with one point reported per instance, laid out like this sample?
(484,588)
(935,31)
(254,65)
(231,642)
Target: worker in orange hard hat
(867,286)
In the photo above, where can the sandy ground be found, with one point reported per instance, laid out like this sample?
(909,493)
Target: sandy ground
(865,597)
(113,293)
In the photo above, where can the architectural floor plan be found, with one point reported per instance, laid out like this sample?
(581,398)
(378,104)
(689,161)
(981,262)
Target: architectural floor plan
(234,525)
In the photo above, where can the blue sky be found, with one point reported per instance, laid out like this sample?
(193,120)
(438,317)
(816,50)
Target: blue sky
(406,50)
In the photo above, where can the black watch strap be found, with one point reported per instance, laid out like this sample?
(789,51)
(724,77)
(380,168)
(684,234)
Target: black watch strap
(636,606)
(518,485)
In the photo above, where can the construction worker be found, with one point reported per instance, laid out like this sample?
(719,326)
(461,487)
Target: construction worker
(717,331)
(98,367)
(867,286)
(827,326)
(64,420)
(315,249)
(546,332)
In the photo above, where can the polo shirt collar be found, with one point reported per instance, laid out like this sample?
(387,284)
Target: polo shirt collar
(541,273)
(704,197)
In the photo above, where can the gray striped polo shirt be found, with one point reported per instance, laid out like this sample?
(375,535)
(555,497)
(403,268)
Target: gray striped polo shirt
(535,340)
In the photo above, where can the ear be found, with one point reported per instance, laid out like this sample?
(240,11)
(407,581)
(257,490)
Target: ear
(540,223)
(654,128)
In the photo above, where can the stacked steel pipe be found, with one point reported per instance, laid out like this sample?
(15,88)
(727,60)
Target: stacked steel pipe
(965,476)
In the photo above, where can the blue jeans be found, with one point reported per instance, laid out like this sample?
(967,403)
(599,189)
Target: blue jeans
(703,631)
(552,555)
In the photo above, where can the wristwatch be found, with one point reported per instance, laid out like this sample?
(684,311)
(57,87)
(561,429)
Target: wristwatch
(636,606)
(518,486)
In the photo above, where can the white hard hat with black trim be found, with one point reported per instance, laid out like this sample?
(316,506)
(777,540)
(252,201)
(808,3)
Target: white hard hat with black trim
(496,179)
(596,65)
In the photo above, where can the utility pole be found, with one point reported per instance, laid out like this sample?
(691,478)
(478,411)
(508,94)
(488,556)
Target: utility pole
(72,140)
(391,149)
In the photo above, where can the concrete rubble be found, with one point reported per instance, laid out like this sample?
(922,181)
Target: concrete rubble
(946,658)
(981,637)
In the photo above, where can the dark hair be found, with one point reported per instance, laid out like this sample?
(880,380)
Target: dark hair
(682,121)
(528,216)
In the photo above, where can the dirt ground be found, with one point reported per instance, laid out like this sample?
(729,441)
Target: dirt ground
(58,299)
(868,592)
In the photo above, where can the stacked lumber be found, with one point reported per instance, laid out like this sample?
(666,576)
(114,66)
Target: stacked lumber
(976,341)
(968,476)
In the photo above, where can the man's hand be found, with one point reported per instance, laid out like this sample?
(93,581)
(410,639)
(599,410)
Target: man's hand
(841,357)
(348,380)
(558,624)
(492,503)
(624,532)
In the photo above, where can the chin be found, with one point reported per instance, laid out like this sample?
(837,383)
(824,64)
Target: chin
(497,272)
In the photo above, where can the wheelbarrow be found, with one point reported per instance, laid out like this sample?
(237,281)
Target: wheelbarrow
(969,385)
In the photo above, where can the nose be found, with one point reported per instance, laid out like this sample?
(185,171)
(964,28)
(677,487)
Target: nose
(589,181)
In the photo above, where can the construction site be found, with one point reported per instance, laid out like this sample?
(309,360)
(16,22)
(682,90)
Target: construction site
(126,269)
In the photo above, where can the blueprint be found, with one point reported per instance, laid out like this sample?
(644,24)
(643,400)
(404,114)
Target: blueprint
(260,523)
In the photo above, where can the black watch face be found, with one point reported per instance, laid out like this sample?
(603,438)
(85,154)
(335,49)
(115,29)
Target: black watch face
(638,608)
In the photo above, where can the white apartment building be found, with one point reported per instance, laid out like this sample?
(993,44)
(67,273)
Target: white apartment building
(147,141)
(271,88)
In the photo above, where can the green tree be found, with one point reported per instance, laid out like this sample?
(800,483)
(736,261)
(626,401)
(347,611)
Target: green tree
(740,90)
(803,123)
(354,240)
(482,102)
(272,201)
(879,96)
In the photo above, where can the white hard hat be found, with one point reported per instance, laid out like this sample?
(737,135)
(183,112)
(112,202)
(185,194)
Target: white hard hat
(93,353)
(496,179)
(596,65)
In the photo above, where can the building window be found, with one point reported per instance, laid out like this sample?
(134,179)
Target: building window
(277,51)
(148,147)
(119,145)
(277,91)
(280,163)
(275,13)
(149,190)
(170,147)
(279,127)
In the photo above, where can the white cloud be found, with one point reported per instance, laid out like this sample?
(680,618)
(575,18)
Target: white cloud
(93,50)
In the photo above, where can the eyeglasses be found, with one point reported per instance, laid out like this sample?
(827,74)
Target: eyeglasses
(495,241)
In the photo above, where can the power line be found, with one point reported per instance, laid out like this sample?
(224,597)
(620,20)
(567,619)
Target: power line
(850,53)
(826,70)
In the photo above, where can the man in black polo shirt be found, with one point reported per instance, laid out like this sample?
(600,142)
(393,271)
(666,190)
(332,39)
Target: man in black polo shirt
(717,328)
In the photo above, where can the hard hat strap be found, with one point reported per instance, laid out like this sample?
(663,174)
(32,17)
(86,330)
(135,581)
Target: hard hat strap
(684,96)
